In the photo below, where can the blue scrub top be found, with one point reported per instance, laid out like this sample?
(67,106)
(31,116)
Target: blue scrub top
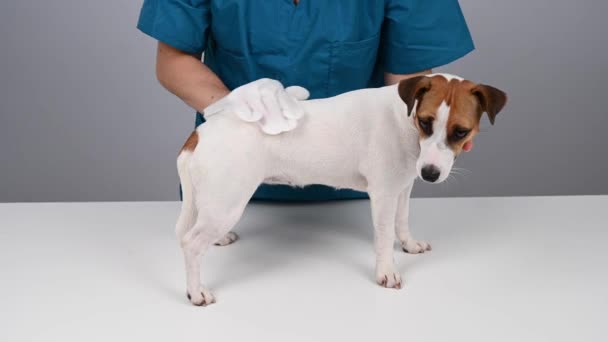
(328,47)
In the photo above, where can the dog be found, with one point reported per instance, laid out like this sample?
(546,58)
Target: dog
(377,140)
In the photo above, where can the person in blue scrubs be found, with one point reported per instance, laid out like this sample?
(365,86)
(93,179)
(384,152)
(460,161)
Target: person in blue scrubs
(327,47)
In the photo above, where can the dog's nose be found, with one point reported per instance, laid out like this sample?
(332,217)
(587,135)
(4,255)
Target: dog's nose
(430,173)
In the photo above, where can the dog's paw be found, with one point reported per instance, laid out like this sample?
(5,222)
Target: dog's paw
(388,278)
(415,247)
(203,297)
(229,238)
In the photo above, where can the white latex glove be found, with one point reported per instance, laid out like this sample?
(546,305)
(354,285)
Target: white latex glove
(265,101)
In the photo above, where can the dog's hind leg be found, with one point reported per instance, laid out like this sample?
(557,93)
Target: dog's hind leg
(188,212)
(402,227)
(210,227)
(194,244)
(221,193)
(227,239)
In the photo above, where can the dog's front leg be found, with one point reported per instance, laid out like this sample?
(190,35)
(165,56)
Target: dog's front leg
(384,209)
(402,227)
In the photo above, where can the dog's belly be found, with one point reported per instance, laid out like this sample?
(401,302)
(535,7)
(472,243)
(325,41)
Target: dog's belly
(338,180)
(359,186)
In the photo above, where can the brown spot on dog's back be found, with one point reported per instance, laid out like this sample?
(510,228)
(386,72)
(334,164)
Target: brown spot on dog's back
(191,142)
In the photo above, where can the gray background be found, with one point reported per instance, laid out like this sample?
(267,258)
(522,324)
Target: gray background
(84,119)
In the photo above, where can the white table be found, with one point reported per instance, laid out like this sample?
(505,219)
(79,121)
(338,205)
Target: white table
(501,269)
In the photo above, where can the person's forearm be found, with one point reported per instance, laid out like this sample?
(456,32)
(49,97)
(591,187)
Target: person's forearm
(390,79)
(188,78)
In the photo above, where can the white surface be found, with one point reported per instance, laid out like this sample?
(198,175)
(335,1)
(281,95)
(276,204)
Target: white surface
(501,269)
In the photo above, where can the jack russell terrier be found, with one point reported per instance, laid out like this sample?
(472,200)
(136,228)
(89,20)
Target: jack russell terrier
(377,140)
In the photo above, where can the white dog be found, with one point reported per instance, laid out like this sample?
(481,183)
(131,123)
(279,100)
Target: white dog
(375,140)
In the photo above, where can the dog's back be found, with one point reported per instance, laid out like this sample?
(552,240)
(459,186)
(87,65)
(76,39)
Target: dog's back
(323,149)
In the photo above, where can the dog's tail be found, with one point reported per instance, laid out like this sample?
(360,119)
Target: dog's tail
(187,216)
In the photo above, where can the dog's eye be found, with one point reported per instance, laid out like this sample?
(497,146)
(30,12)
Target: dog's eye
(426,125)
(459,134)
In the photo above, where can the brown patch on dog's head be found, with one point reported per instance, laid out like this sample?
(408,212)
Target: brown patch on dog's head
(465,99)
(413,89)
(191,142)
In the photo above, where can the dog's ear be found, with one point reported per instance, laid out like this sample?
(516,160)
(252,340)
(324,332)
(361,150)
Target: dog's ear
(412,89)
(491,100)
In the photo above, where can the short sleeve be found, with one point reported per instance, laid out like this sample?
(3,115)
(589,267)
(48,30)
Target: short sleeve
(423,34)
(182,24)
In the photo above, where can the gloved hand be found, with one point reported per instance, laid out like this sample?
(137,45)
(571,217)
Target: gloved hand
(265,101)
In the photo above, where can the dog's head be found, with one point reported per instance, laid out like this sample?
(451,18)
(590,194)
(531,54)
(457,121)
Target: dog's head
(446,110)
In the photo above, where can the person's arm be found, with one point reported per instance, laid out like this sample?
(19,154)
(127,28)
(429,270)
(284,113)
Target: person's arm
(275,108)
(188,78)
(390,79)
